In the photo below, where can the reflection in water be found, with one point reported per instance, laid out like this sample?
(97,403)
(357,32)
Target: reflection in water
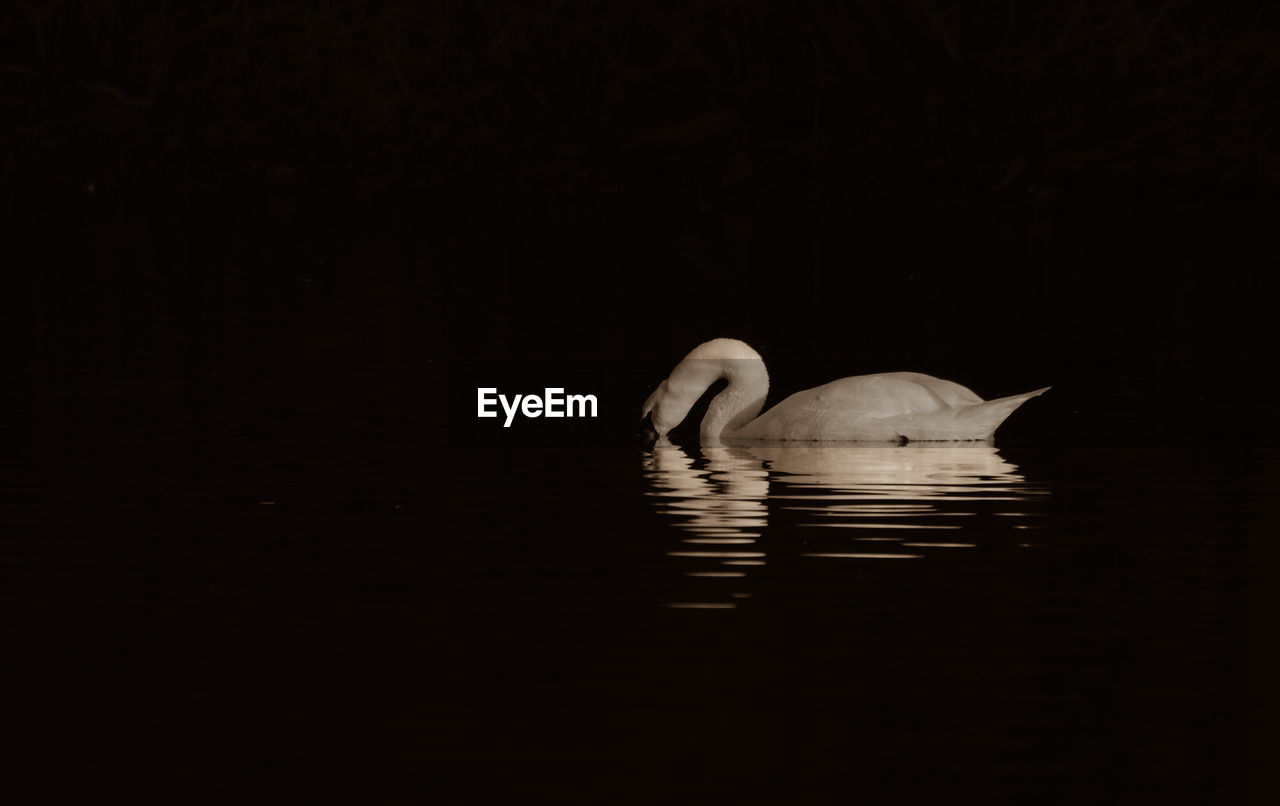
(736,507)
(720,500)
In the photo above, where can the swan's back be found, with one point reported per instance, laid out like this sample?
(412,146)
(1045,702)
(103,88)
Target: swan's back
(949,392)
(887,406)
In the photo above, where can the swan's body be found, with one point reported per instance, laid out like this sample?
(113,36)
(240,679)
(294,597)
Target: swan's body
(874,408)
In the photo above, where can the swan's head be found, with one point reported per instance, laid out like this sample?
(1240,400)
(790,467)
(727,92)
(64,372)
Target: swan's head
(707,363)
(664,410)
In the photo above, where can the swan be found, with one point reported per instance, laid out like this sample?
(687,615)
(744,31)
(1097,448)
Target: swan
(891,406)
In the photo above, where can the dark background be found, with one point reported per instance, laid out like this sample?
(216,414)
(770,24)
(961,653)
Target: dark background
(1078,172)
(551,180)
(265,253)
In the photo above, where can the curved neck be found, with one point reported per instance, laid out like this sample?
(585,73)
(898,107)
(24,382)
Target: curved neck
(738,403)
(735,406)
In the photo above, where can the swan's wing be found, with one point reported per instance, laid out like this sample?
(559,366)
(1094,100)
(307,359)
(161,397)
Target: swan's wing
(852,408)
(951,393)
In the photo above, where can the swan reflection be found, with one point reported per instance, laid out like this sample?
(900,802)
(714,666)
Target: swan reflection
(738,506)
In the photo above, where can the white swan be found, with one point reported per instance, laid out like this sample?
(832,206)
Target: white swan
(889,406)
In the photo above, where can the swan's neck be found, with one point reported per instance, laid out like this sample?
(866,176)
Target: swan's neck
(738,403)
(735,406)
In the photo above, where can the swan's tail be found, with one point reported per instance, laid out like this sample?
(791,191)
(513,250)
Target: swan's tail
(982,419)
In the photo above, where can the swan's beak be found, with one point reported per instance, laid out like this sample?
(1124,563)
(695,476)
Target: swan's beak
(647,434)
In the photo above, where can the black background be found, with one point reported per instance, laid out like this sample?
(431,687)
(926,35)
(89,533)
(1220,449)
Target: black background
(266,253)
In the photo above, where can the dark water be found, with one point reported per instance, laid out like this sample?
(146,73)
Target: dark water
(255,539)
(1083,618)
(830,502)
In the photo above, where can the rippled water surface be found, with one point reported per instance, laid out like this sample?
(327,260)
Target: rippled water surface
(738,509)
(255,542)
(1078,615)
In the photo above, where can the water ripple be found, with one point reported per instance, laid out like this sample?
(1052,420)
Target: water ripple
(740,511)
